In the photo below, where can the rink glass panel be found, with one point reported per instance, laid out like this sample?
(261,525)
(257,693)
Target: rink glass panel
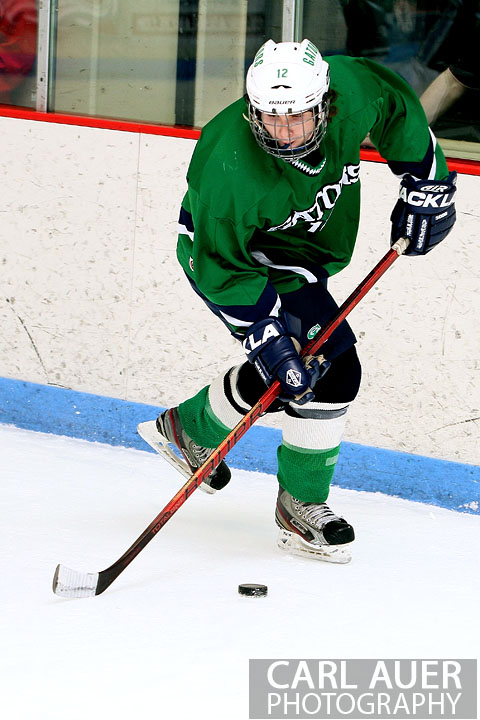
(419,39)
(179,62)
(159,61)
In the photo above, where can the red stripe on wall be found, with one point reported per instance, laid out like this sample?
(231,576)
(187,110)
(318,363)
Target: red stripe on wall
(467,167)
(97,122)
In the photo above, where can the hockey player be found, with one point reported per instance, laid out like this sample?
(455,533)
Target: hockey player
(271,211)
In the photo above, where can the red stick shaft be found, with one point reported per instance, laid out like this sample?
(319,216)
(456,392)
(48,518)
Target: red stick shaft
(106,577)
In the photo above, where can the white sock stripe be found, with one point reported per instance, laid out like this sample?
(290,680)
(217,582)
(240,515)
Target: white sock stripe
(315,433)
(233,386)
(219,404)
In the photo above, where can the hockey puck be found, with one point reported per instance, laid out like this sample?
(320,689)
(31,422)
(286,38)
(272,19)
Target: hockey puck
(252,590)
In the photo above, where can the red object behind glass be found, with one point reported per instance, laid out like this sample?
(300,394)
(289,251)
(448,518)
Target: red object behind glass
(18,44)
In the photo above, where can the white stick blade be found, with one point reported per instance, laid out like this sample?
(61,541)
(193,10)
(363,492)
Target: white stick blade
(72,584)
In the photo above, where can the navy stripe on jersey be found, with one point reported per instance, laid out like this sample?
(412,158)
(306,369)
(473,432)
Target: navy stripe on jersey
(186,219)
(238,317)
(185,223)
(424,170)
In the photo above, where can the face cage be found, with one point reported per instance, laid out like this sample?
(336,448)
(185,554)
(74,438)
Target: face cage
(273,146)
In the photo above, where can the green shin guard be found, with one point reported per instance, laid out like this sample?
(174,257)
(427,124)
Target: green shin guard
(199,421)
(306,474)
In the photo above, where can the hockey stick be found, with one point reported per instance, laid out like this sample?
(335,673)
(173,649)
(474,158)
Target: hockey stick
(72,584)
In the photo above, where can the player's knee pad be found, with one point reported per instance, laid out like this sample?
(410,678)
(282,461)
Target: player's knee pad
(341,382)
(250,387)
(239,389)
(320,423)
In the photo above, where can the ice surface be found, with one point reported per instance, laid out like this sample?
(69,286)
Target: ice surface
(171,638)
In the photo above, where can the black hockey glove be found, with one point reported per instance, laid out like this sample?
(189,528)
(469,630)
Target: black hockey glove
(424,212)
(269,347)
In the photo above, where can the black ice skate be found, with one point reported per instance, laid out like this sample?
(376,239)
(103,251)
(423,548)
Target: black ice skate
(167,433)
(312,529)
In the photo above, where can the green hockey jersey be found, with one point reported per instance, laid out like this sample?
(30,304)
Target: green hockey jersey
(253,226)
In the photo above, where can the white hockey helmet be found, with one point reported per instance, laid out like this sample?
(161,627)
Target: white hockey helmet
(288,78)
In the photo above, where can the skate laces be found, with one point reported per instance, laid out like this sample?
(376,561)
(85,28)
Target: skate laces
(316,514)
(178,437)
(200,453)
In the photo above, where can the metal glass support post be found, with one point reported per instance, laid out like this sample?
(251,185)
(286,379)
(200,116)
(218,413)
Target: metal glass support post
(43,53)
(292,21)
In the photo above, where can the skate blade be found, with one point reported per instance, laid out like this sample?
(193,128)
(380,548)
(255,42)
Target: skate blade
(295,545)
(148,432)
